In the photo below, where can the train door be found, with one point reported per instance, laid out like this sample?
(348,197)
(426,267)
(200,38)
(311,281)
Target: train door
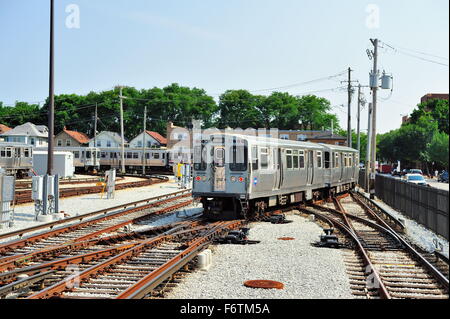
(278,168)
(309,167)
(219,169)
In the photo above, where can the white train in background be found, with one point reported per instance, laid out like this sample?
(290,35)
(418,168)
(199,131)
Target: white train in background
(17,159)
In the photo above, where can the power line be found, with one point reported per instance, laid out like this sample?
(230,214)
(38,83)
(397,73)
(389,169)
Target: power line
(415,56)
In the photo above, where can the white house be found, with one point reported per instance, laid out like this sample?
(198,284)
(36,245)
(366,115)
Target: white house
(28,133)
(107,139)
(152,139)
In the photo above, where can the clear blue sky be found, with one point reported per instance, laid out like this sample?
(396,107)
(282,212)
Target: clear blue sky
(219,45)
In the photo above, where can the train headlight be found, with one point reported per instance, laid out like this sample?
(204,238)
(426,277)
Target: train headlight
(233,179)
(241,179)
(198,178)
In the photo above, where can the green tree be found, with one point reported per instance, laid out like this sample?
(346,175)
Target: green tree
(438,149)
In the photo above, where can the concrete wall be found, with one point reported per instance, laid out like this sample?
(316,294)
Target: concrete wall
(428,206)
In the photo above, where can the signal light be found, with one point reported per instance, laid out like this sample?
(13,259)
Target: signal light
(241,179)
(198,178)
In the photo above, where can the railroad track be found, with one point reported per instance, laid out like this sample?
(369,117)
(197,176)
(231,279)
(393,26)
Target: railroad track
(74,181)
(380,262)
(84,233)
(130,270)
(24,196)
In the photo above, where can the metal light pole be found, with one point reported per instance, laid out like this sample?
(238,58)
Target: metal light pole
(122,131)
(51,107)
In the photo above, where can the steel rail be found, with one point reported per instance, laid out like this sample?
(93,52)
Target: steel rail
(57,250)
(58,288)
(24,283)
(24,196)
(434,271)
(105,211)
(382,289)
(156,277)
(7,260)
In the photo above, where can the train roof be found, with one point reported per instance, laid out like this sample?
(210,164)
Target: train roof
(339,148)
(272,141)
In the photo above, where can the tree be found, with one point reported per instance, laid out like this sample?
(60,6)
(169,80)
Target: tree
(438,149)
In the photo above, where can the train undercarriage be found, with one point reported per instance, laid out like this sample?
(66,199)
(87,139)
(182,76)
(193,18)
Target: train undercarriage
(231,208)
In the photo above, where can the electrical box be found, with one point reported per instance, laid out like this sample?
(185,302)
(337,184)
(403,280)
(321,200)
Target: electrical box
(386,82)
(51,186)
(7,188)
(111,178)
(373,80)
(37,188)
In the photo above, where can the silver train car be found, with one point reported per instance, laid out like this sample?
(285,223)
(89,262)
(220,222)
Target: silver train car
(237,176)
(16,159)
(155,159)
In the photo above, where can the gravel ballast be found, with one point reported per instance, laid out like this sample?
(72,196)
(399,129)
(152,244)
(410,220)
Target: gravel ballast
(307,272)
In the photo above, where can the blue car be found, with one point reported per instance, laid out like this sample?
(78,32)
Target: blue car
(443,177)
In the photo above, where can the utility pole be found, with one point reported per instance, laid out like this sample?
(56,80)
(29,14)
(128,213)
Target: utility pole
(51,107)
(374,86)
(358,119)
(95,126)
(121,131)
(349,118)
(144,158)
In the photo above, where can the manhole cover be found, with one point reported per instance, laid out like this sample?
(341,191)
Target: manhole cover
(264,284)
(286,238)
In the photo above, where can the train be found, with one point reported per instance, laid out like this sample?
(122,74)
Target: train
(17,159)
(237,176)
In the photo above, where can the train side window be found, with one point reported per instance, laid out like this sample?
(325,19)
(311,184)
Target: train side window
(26,152)
(264,158)
(129,155)
(135,155)
(302,159)
(2,152)
(289,159)
(254,158)
(156,155)
(103,154)
(319,159)
(356,159)
(239,154)
(76,154)
(336,156)
(327,159)
(8,152)
(295,159)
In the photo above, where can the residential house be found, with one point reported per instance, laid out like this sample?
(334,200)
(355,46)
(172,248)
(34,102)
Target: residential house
(107,139)
(28,133)
(69,138)
(3,129)
(152,140)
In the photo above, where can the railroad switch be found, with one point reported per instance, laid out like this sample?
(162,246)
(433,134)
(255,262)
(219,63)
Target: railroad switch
(237,237)
(279,219)
(329,240)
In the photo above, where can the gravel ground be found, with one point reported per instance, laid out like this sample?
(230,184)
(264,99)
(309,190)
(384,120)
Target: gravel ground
(24,214)
(307,272)
(416,232)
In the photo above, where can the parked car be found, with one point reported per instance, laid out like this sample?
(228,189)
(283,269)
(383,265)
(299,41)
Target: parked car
(416,179)
(415,171)
(443,177)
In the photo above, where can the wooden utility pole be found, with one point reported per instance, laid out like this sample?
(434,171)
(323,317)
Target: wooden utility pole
(144,158)
(349,116)
(95,126)
(374,86)
(122,131)
(51,107)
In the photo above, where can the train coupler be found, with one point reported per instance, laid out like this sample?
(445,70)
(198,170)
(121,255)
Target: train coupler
(329,240)
(237,237)
(279,219)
